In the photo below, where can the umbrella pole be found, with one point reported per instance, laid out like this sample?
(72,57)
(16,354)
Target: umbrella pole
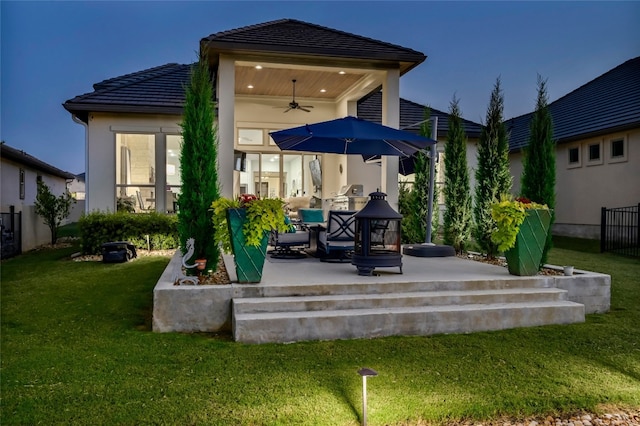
(432,172)
(429,249)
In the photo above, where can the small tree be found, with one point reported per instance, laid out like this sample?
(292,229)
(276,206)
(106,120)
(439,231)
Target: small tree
(53,209)
(198,171)
(457,216)
(492,176)
(539,162)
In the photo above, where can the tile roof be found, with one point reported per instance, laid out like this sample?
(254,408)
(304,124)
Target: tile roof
(609,103)
(154,90)
(22,157)
(298,37)
(411,113)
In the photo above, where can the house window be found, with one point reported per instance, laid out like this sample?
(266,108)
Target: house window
(174,181)
(594,153)
(22,184)
(618,150)
(135,170)
(574,156)
(250,137)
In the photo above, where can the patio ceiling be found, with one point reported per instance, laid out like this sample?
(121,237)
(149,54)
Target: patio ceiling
(275,80)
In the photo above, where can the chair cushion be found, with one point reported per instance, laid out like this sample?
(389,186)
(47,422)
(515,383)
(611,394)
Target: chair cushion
(311,215)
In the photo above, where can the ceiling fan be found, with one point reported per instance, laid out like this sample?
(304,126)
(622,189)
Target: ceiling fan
(293,104)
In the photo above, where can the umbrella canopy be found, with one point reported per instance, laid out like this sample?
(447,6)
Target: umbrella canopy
(350,135)
(406,165)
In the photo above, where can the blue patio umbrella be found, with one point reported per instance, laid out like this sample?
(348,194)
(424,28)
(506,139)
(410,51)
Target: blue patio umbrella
(350,135)
(406,165)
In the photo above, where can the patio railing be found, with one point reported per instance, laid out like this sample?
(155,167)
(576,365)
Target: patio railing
(620,230)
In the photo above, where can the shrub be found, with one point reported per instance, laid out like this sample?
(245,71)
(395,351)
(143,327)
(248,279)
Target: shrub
(153,231)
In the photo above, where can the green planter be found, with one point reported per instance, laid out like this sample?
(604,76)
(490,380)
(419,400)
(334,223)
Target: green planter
(249,260)
(524,258)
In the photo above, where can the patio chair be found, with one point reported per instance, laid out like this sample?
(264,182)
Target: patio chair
(336,241)
(291,244)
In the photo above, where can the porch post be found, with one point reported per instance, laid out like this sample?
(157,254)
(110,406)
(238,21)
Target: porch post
(225,86)
(391,118)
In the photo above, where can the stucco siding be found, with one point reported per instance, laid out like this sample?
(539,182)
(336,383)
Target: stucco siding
(583,189)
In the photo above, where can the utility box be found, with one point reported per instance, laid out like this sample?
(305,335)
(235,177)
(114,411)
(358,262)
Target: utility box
(118,252)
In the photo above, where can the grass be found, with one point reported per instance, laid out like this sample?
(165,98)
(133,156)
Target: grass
(77,349)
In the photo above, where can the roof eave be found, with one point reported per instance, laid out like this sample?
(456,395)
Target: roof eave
(23,158)
(316,56)
(82,109)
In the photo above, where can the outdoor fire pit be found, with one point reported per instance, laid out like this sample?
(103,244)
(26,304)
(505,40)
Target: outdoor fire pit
(377,239)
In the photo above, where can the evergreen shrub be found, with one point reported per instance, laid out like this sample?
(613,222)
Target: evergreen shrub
(98,228)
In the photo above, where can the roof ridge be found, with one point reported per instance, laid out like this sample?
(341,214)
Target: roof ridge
(136,77)
(317,26)
(244,28)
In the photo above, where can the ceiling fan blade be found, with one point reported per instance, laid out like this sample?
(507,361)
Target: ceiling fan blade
(304,109)
(306,106)
(288,109)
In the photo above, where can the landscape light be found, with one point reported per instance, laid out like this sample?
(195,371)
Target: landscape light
(365,372)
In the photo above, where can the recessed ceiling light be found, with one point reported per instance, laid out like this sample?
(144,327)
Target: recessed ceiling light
(323,90)
(342,72)
(258,67)
(250,86)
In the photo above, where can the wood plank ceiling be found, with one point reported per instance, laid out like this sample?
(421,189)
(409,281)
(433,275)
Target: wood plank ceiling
(276,82)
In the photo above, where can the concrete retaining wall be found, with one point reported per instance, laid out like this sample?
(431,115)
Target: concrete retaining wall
(202,308)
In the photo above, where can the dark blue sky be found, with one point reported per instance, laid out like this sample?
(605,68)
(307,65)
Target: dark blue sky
(53,51)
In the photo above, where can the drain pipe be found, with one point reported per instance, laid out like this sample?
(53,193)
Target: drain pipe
(86,159)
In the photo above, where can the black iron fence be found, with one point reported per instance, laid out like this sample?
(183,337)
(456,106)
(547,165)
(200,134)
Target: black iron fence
(10,234)
(620,230)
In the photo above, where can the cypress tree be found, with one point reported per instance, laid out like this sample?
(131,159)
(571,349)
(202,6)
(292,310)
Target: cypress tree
(457,197)
(492,176)
(539,161)
(198,161)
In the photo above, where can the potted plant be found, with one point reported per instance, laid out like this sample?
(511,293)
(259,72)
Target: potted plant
(242,227)
(521,233)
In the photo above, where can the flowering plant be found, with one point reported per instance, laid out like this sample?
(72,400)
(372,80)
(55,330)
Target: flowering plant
(263,215)
(509,215)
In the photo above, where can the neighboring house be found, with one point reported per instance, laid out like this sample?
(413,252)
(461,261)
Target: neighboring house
(133,121)
(20,174)
(597,129)
(77,190)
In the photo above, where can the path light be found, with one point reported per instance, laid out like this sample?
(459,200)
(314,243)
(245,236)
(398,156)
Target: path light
(365,372)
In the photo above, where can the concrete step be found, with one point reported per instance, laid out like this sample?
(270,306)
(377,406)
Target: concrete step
(280,327)
(394,300)
(373,287)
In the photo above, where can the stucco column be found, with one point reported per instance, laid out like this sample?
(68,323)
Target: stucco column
(226,123)
(161,172)
(391,118)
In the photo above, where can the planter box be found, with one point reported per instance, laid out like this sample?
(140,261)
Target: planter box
(524,258)
(249,260)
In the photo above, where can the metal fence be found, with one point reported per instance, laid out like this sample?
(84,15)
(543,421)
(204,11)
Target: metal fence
(620,230)
(10,234)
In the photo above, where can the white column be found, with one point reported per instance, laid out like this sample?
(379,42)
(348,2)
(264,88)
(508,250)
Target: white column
(161,172)
(391,118)
(226,124)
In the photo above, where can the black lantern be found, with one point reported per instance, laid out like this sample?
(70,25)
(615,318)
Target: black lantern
(377,239)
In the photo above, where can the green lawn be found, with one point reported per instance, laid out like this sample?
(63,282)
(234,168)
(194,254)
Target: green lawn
(77,349)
